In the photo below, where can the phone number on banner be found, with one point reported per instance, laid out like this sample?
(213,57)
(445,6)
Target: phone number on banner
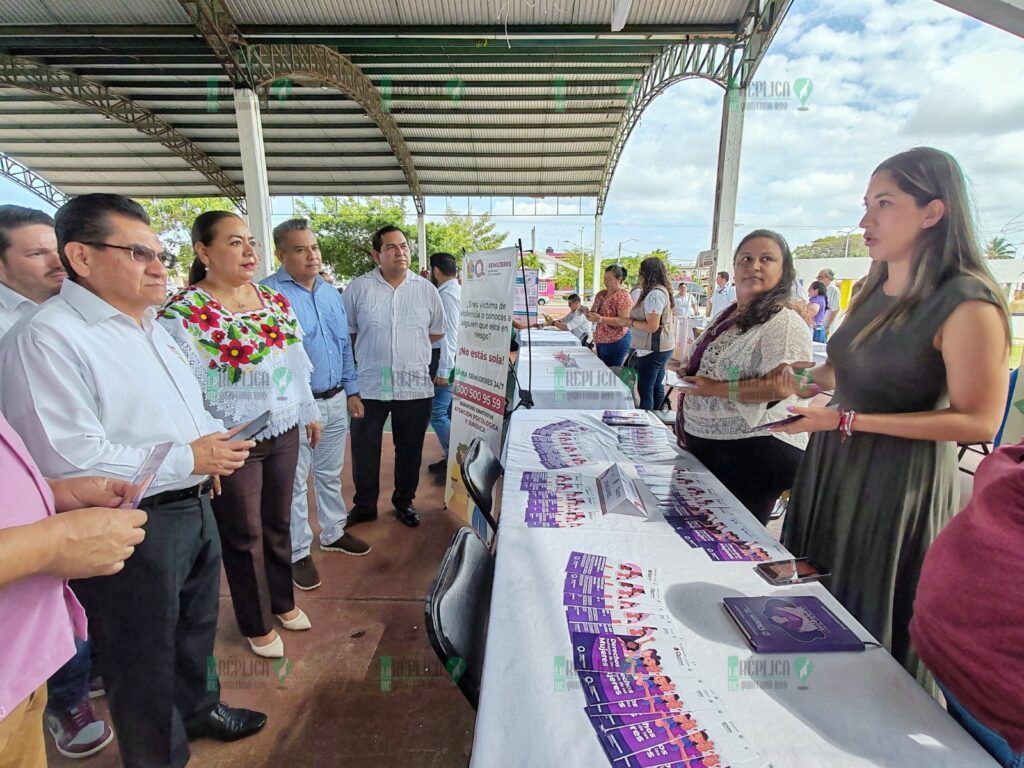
(489,400)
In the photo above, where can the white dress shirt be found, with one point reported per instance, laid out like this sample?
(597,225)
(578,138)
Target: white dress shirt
(13,307)
(393,328)
(722,298)
(451,299)
(90,392)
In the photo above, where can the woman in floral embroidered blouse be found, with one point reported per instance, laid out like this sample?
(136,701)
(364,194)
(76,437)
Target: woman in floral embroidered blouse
(243,343)
(610,314)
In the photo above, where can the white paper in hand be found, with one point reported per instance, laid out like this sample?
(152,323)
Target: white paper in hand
(146,474)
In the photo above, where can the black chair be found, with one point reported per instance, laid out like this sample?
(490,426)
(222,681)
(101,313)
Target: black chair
(457,609)
(480,472)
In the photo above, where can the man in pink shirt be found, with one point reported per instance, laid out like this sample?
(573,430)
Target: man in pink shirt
(39,552)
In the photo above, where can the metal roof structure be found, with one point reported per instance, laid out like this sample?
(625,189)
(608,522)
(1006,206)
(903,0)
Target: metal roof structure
(521,98)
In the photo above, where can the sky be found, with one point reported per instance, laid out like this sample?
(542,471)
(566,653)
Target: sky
(886,75)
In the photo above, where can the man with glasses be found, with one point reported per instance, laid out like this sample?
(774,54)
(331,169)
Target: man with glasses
(94,386)
(394,315)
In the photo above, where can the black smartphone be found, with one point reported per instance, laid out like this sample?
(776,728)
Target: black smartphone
(253,428)
(779,423)
(798,570)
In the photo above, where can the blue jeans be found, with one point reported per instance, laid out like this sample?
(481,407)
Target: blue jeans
(993,743)
(615,353)
(650,379)
(441,416)
(70,684)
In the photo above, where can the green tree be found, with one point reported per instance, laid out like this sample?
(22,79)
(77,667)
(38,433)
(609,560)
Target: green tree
(831,247)
(999,248)
(345,227)
(459,234)
(565,279)
(171,219)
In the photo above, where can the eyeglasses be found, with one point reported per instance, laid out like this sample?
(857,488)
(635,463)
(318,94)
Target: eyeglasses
(140,253)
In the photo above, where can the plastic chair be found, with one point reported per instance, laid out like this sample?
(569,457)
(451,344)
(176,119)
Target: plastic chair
(480,472)
(457,609)
(982,448)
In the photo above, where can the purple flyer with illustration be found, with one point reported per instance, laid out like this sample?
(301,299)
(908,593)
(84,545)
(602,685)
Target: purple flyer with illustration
(646,616)
(671,755)
(638,740)
(608,590)
(724,551)
(612,652)
(681,719)
(599,565)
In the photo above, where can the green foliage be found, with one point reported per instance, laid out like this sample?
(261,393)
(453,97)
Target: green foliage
(459,234)
(831,247)
(345,225)
(999,248)
(565,279)
(171,219)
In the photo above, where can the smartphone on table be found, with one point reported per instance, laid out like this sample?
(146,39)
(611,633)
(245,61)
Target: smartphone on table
(799,570)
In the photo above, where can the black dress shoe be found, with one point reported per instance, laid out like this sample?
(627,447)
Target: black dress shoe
(408,516)
(225,723)
(357,516)
(438,467)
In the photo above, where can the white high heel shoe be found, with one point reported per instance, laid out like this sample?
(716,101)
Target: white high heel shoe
(272,650)
(297,624)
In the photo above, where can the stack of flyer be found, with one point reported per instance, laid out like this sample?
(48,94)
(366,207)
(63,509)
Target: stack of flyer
(706,520)
(563,499)
(644,699)
(558,444)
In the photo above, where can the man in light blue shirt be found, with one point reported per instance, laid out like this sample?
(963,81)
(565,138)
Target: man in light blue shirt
(723,296)
(443,272)
(324,321)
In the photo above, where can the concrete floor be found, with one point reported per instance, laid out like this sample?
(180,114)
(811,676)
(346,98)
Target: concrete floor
(336,707)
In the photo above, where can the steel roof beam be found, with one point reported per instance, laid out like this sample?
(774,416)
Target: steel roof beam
(39,78)
(30,180)
(262,65)
(760,22)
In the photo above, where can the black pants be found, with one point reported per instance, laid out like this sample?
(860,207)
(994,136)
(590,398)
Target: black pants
(754,469)
(409,420)
(254,519)
(153,625)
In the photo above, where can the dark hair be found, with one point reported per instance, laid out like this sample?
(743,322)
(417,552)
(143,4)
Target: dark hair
(682,285)
(84,219)
(573,297)
(653,273)
(945,251)
(771,302)
(818,286)
(378,236)
(725,275)
(619,272)
(204,229)
(15,217)
(282,229)
(444,262)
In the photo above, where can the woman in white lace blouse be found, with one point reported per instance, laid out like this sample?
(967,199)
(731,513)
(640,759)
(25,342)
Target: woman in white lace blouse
(739,370)
(243,342)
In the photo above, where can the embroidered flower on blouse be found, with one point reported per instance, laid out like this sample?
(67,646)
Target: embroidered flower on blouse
(204,317)
(235,353)
(272,335)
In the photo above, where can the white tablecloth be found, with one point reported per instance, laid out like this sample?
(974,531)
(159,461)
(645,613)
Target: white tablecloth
(547,337)
(587,384)
(859,709)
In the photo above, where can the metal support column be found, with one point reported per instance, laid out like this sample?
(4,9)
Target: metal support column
(254,176)
(597,255)
(421,240)
(729,144)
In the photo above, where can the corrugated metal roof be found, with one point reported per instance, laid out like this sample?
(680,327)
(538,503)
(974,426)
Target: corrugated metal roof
(535,113)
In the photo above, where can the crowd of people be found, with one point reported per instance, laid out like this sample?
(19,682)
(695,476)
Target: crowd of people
(101,370)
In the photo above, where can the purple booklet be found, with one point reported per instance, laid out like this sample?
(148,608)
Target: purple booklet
(798,624)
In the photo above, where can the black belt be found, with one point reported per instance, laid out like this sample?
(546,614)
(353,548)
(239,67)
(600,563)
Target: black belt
(327,394)
(169,497)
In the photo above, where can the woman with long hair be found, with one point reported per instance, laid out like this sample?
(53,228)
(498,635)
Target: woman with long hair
(737,371)
(653,325)
(243,342)
(919,364)
(610,315)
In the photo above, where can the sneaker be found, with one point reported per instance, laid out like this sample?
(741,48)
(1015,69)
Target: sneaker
(304,574)
(438,467)
(348,544)
(78,732)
